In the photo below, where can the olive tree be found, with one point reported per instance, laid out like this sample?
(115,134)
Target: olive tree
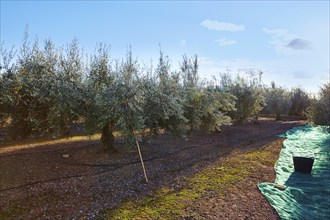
(99,96)
(277,101)
(128,99)
(68,90)
(41,92)
(319,111)
(114,98)
(299,102)
(28,104)
(249,95)
(204,105)
(163,104)
(213,107)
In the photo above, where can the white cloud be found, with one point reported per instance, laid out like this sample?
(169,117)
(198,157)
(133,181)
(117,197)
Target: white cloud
(285,42)
(279,39)
(225,42)
(182,43)
(277,33)
(221,26)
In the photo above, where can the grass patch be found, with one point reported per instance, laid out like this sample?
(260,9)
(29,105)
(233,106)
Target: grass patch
(218,178)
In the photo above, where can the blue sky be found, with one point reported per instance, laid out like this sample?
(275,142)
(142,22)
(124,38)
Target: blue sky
(288,41)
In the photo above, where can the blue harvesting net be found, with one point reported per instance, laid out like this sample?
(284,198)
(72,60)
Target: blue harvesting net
(307,195)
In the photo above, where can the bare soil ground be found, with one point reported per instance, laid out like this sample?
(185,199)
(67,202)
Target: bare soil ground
(39,183)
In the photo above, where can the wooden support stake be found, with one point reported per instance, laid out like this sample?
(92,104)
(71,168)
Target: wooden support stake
(144,170)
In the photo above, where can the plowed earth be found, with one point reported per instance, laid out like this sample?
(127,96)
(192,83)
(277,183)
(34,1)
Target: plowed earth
(40,183)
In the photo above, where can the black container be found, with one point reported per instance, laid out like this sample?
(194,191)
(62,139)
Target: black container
(303,164)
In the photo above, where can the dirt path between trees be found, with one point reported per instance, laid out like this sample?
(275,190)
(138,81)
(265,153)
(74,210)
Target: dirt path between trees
(39,183)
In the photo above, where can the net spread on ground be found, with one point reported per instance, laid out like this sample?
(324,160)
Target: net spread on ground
(306,195)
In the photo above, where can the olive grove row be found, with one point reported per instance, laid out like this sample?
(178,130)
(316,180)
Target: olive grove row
(45,90)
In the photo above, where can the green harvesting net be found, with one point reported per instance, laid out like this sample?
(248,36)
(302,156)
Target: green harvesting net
(307,196)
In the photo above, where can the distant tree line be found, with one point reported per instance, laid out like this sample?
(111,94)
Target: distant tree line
(45,90)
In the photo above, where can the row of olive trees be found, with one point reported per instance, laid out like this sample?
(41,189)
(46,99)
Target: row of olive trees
(123,97)
(254,98)
(281,101)
(296,102)
(46,90)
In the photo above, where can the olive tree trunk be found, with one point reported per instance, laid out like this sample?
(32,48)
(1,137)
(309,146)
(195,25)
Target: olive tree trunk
(107,137)
(278,116)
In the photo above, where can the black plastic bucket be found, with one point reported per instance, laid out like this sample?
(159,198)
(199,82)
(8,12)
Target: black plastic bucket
(303,164)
